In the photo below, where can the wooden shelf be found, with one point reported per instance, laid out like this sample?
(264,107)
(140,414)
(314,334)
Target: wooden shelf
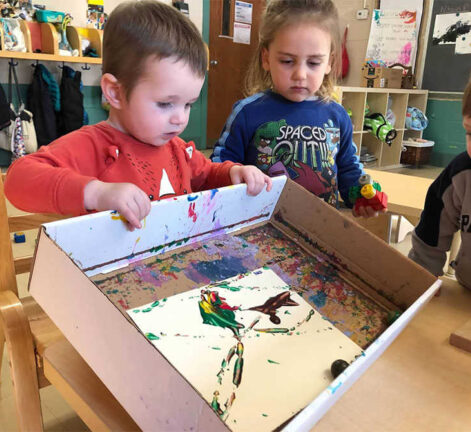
(48,57)
(45,37)
(355,99)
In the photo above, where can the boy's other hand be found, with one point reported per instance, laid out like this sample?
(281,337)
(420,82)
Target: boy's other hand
(367,212)
(252,176)
(127,199)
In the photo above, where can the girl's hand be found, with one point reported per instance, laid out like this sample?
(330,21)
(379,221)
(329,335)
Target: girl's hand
(367,212)
(127,199)
(252,176)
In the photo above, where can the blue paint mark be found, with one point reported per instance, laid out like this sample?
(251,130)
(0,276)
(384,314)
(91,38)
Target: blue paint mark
(319,298)
(224,268)
(214,192)
(334,389)
(192,197)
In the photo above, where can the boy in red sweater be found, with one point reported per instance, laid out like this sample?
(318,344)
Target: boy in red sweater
(154,62)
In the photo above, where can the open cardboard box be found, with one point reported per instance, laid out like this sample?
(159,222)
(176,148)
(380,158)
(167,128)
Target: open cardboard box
(75,258)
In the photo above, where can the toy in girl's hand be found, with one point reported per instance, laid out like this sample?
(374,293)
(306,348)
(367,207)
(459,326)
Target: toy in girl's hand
(367,194)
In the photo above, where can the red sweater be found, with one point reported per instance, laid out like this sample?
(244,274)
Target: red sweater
(53,179)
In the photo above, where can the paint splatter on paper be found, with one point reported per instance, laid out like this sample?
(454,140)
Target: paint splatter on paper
(263,371)
(316,277)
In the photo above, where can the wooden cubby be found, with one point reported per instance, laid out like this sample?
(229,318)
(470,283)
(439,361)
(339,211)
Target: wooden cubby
(45,36)
(355,99)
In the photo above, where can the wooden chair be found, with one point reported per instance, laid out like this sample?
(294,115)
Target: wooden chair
(39,354)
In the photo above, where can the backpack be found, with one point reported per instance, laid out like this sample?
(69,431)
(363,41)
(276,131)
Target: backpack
(39,102)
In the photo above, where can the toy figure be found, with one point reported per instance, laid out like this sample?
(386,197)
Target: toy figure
(368,194)
(379,126)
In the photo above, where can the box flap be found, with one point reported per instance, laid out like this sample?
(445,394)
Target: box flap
(101,241)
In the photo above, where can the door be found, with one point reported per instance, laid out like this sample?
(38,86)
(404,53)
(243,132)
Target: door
(228,59)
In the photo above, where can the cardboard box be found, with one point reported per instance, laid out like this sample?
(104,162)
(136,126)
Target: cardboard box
(89,270)
(381,77)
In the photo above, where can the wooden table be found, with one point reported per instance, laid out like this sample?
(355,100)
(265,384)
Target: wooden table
(421,382)
(406,194)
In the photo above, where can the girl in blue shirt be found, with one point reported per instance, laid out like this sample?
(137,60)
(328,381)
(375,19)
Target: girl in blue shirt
(289,124)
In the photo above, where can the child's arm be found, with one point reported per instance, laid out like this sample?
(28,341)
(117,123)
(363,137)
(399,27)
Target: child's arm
(234,139)
(126,198)
(49,181)
(211,175)
(349,168)
(440,219)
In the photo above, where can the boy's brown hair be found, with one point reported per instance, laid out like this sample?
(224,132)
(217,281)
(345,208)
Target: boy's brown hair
(138,30)
(467,100)
(282,13)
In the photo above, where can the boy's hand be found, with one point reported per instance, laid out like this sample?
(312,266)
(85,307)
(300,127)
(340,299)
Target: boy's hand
(252,176)
(127,199)
(367,212)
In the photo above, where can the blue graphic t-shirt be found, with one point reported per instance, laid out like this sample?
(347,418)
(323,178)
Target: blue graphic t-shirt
(310,142)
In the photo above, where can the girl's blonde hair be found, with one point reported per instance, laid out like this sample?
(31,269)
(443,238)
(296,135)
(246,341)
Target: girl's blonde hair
(283,13)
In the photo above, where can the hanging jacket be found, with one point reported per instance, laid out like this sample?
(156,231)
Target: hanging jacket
(39,102)
(71,116)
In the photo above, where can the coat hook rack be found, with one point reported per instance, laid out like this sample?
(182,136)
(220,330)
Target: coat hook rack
(61,67)
(86,67)
(35,64)
(13,63)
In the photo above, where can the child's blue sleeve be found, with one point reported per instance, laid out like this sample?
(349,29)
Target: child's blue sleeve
(234,139)
(349,168)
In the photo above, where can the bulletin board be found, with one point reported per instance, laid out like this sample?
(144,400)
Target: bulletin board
(448,58)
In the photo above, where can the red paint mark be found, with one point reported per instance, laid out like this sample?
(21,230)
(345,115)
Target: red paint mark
(123,303)
(172,274)
(191,212)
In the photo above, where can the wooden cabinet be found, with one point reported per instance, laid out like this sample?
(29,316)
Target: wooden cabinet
(355,99)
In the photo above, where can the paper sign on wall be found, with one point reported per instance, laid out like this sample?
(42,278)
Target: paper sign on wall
(454,28)
(242,33)
(243,12)
(393,37)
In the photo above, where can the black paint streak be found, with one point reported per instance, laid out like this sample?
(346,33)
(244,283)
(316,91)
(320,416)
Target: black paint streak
(456,30)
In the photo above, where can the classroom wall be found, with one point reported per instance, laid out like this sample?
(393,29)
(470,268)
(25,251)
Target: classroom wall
(357,39)
(445,128)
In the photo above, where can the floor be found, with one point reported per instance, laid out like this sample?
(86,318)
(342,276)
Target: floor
(57,415)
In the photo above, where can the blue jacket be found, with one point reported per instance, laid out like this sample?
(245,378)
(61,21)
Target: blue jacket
(310,141)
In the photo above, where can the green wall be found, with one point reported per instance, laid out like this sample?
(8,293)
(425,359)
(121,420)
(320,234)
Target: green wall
(445,129)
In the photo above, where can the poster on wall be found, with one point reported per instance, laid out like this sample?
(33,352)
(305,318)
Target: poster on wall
(393,37)
(96,16)
(416,5)
(453,28)
(241,33)
(463,44)
(243,12)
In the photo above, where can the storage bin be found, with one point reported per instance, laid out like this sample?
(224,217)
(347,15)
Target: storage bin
(416,152)
(49,16)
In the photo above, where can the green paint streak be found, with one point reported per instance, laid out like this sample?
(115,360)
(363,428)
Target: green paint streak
(265,415)
(287,313)
(156,303)
(272,361)
(147,310)
(273,330)
(216,348)
(152,336)
(175,269)
(136,310)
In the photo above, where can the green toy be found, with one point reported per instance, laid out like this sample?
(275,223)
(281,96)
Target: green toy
(379,126)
